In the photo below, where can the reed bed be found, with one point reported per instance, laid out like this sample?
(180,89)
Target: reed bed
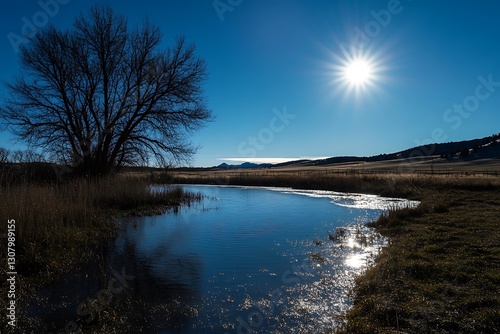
(59,225)
(53,216)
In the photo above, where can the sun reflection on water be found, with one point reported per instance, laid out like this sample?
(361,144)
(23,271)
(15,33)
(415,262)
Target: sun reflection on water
(356,261)
(317,304)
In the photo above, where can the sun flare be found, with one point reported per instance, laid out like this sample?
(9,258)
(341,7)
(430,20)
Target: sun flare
(357,72)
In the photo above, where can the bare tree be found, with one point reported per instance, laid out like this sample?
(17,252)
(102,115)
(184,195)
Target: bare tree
(4,155)
(17,156)
(26,156)
(100,96)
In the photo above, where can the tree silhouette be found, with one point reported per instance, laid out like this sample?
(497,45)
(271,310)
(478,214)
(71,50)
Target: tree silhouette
(99,96)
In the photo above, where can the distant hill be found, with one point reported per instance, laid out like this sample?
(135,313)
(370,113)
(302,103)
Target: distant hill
(483,148)
(487,147)
(244,165)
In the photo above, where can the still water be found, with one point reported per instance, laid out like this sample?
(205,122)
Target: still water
(267,260)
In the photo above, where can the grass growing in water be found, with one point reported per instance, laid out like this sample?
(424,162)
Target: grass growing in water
(50,215)
(58,224)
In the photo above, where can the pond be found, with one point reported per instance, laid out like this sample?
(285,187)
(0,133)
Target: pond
(243,260)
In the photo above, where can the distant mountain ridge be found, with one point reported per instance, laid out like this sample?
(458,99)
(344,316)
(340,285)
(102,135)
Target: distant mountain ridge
(244,165)
(483,148)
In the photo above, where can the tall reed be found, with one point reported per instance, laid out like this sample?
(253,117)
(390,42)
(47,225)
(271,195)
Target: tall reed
(53,216)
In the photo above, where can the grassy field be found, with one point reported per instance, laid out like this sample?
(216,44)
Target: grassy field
(407,185)
(440,272)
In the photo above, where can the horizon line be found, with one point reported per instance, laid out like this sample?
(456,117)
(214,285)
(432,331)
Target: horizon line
(274,160)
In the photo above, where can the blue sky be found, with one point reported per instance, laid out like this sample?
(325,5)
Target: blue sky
(275,71)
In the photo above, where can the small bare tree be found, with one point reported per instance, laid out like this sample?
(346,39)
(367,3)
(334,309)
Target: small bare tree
(4,155)
(100,96)
(26,156)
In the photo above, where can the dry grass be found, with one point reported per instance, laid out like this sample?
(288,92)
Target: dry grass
(440,272)
(386,184)
(44,211)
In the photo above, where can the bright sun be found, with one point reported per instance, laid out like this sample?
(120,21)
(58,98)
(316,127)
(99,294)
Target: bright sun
(357,72)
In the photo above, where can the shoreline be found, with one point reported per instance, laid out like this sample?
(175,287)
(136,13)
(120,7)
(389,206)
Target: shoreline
(438,273)
(435,274)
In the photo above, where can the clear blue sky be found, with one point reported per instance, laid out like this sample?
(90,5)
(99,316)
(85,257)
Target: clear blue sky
(274,78)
